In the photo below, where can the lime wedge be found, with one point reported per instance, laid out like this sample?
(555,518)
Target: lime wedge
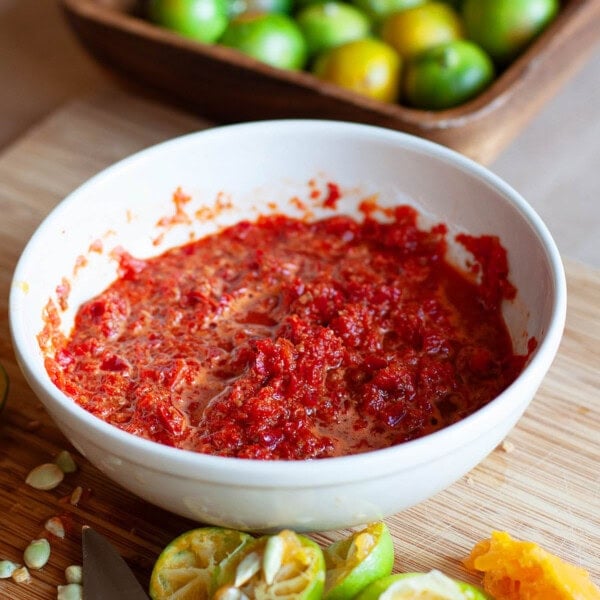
(286,566)
(3,387)
(355,562)
(188,567)
(421,586)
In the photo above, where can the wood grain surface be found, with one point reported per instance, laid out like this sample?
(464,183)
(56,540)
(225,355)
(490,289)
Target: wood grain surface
(544,486)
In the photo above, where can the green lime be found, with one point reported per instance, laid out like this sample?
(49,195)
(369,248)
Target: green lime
(3,387)
(249,7)
(424,586)
(331,24)
(272,38)
(355,562)
(379,9)
(202,20)
(416,29)
(369,67)
(503,28)
(447,75)
(188,567)
(286,566)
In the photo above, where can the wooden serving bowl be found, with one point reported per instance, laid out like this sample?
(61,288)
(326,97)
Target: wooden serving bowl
(226,86)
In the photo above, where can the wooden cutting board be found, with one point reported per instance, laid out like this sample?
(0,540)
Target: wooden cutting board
(542,486)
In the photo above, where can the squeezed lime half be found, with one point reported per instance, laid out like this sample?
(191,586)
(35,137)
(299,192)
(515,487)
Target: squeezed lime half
(286,566)
(188,567)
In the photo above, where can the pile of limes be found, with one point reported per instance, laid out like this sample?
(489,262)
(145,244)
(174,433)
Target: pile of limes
(212,563)
(426,54)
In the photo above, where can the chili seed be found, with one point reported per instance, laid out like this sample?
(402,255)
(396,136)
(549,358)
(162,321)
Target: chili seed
(507,446)
(65,462)
(36,555)
(21,575)
(74,574)
(55,526)
(45,477)
(76,495)
(71,591)
(7,568)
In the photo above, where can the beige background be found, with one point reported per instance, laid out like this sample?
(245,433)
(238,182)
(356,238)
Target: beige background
(554,163)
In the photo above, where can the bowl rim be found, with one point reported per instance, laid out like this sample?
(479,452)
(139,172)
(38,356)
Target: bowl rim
(325,471)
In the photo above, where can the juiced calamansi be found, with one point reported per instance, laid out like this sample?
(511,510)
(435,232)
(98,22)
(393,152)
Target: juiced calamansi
(520,570)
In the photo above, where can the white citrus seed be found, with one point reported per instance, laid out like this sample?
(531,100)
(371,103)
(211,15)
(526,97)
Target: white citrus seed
(45,477)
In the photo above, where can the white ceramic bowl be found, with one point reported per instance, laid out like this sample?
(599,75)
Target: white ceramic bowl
(254,165)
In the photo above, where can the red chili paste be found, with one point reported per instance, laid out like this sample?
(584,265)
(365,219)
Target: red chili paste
(286,339)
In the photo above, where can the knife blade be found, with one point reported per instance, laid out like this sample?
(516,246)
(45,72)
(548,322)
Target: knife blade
(106,576)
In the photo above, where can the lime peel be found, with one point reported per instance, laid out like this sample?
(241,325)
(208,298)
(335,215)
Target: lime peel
(355,562)
(424,586)
(438,586)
